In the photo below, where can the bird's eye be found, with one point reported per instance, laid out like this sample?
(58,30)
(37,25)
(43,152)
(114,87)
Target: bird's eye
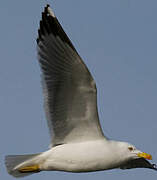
(130,148)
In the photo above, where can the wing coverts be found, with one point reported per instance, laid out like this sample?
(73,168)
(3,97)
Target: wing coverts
(69,89)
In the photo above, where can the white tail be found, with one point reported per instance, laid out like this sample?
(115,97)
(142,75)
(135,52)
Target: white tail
(12,161)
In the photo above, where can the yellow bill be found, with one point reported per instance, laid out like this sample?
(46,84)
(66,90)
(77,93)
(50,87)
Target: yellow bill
(144,155)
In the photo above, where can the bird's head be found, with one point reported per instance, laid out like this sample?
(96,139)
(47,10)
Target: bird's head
(132,152)
(131,157)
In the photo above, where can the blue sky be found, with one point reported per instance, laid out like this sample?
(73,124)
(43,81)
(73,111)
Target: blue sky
(117,40)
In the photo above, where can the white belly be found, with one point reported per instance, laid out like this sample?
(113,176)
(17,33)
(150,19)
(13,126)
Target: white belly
(80,157)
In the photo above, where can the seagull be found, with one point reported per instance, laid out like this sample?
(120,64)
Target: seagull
(70,98)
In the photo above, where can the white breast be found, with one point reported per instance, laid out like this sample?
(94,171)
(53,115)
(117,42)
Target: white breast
(80,157)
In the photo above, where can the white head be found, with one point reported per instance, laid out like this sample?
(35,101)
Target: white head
(126,151)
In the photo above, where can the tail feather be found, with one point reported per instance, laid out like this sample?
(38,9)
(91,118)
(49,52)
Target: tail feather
(13,161)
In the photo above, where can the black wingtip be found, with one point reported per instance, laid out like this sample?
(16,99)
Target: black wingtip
(50,25)
(154,167)
(46,8)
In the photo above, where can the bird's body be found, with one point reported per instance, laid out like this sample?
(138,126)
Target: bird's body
(82,157)
(78,143)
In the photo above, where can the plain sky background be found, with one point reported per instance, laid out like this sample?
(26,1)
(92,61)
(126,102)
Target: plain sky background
(117,40)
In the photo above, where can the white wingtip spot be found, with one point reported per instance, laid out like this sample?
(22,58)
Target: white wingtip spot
(51,12)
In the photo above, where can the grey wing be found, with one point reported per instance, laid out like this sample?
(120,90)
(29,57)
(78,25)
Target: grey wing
(139,163)
(69,89)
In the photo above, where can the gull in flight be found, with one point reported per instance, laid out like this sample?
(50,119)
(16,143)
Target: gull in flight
(70,95)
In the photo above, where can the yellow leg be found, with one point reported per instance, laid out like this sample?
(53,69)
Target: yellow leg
(27,169)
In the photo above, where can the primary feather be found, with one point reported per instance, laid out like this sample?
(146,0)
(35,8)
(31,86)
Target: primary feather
(69,89)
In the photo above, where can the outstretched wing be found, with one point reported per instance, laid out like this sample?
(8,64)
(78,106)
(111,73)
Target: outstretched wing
(69,89)
(139,163)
